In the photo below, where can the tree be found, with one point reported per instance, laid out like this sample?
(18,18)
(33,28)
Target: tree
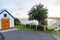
(39,13)
(16,20)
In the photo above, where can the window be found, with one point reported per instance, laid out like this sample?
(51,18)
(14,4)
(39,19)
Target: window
(5,15)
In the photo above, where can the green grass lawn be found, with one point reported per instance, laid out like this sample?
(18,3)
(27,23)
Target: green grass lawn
(54,32)
(22,27)
(57,33)
(18,27)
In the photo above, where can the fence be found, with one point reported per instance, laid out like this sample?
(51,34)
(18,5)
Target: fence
(30,26)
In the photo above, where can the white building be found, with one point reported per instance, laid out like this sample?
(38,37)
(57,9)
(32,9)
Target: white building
(53,22)
(6,19)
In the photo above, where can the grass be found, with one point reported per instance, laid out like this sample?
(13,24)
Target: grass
(50,30)
(54,32)
(28,28)
(22,27)
(57,33)
(18,27)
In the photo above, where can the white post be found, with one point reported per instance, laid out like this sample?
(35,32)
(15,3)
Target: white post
(25,26)
(36,27)
(30,26)
(44,28)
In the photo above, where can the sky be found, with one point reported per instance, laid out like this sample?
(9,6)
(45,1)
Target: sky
(20,8)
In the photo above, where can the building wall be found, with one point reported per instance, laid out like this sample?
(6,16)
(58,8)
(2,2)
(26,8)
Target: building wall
(0,23)
(52,23)
(8,16)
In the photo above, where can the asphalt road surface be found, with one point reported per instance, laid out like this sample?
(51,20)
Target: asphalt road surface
(27,35)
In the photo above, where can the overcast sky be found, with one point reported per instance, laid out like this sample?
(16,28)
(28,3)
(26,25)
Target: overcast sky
(20,8)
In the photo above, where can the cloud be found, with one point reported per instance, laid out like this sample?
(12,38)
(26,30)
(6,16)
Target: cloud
(20,13)
(20,8)
(57,2)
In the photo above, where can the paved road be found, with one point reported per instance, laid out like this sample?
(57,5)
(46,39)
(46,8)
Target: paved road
(27,35)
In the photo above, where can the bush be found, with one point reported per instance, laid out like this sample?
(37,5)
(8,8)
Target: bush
(16,20)
(34,27)
(27,25)
(41,28)
(46,28)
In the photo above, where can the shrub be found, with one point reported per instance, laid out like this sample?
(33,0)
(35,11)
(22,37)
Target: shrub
(27,25)
(33,26)
(41,28)
(17,21)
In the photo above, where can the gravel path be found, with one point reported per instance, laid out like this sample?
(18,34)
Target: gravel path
(27,35)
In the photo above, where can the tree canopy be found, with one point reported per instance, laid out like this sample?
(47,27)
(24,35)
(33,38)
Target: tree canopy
(16,20)
(39,13)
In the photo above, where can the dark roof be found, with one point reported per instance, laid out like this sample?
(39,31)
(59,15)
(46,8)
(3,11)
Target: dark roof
(1,11)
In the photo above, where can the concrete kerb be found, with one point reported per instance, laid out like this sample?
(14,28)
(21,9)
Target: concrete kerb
(56,37)
(7,30)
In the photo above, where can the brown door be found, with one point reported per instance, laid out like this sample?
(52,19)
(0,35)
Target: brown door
(2,23)
(5,23)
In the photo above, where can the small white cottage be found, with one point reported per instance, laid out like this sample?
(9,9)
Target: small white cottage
(6,19)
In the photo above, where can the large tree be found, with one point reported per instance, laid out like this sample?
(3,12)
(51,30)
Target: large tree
(39,13)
